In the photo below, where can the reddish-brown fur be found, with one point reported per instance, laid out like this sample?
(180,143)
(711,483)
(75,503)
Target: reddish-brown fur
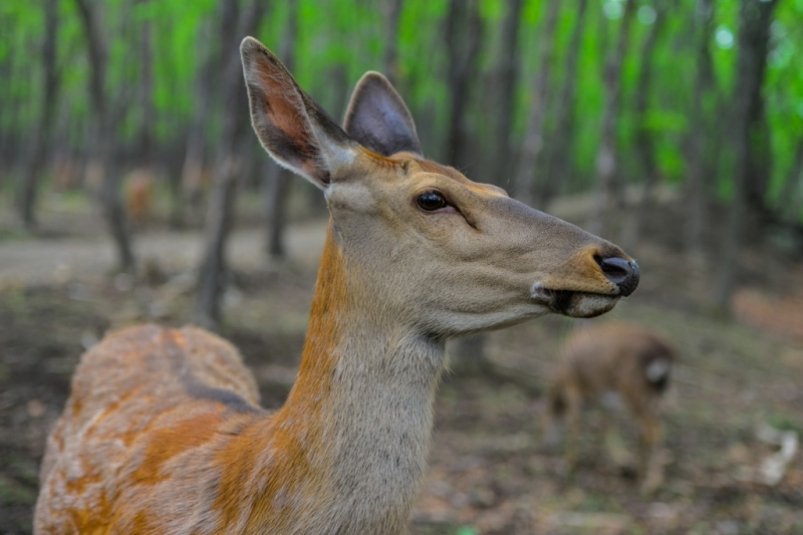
(149,405)
(139,196)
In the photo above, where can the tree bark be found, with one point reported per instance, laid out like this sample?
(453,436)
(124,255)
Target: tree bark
(643,138)
(559,168)
(393,9)
(792,193)
(697,195)
(530,159)
(279,181)
(507,80)
(750,139)
(607,157)
(113,210)
(145,137)
(29,186)
(213,270)
(463,35)
(196,156)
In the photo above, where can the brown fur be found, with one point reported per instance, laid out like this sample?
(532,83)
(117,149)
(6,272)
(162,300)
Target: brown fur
(163,433)
(613,358)
(139,196)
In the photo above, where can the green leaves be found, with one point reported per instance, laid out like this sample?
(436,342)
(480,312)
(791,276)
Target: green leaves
(350,35)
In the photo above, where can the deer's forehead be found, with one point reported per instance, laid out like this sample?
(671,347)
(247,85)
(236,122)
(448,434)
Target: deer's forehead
(423,171)
(427,170)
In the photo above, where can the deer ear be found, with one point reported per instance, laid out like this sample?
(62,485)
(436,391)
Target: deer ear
(378,118)
(289,124)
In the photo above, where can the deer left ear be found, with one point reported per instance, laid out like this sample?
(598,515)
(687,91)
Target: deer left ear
(378,118)
(289,124)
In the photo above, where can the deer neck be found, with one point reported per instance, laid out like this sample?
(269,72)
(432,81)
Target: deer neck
(362,404)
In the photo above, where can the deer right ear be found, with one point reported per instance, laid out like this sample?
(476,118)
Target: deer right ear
(289,124)
(378,118)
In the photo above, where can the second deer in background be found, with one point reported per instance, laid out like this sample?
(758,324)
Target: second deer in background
(616,360)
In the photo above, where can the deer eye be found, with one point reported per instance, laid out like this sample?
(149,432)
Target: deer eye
(431,200)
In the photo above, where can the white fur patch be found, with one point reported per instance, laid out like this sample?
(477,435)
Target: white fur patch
(657,370)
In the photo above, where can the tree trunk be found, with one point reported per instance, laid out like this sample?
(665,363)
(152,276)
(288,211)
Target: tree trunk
(750,139)
(463,35)
(213,270)
(792,193)
(195,156)
(643,138)
(507,79)
(697,194)
(530,158)
(279,181)
(29,185)
(113,210)
(393,9)
(277,191)
(606,161)
(559,168)
(146,104)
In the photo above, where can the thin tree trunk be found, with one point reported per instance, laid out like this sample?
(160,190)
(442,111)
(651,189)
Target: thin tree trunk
(195,156)
(560,167)
(277,192)
(5,95)
(507,80)
(607,157)
(463,35)
(393,9)
(113,210)
(214,266)
(279,181)
(29,186)
(529,161)
(146,104)
(696,192)
(751,157)
(644,139)
(792,195)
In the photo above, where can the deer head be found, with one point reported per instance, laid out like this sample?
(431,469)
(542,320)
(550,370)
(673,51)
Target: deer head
(422,242)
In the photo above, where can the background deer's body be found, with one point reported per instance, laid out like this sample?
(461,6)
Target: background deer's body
(629,361)
(162,433)
(139,196)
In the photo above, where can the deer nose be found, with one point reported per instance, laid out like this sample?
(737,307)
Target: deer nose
(620,271)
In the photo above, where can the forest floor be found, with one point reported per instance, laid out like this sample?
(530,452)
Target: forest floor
(488,471)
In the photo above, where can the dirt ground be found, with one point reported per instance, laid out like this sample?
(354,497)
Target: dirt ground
(489,472)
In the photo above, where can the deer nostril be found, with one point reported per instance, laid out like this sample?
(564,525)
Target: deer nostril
(623,273)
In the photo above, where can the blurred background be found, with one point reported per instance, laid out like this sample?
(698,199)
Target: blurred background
(134,190)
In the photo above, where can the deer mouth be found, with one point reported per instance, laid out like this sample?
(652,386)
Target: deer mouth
(573,303)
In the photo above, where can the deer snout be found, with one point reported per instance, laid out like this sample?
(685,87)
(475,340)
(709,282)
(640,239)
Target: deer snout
(623,272)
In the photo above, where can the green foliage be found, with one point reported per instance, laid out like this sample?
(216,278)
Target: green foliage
(351,35)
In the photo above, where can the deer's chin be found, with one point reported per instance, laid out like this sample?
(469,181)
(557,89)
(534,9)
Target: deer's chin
(583,305)
(574,304)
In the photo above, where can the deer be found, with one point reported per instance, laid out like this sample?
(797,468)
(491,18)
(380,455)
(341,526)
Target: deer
(614,360)
(163,431)
(138,195)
